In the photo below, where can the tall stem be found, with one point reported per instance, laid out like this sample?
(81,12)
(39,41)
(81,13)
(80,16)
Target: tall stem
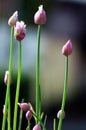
(64,94)
(20,118)
(7,98)
(54,124)
(38,92)
(18,85)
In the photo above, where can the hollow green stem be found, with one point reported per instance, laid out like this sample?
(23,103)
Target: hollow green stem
(64,94)
(20,118)
(7,98)
(54,124)
(28,125)
(38,92)
(18,85)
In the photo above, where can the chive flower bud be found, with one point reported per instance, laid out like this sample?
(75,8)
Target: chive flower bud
(40,16)
(28,115)
(59,113)
(37,127)
(6,78)
(13,19)
(4,111)
(20,30)
(67,48)
(24,106)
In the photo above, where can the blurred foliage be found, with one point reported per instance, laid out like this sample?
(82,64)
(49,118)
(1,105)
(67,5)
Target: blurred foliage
(29,7)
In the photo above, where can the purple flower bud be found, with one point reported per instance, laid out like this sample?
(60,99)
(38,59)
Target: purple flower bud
(6,78)
(13,19)
(20,30)
(24,106)
(59,113)
(28,115)
(40,16)
(67,48)
(37,127)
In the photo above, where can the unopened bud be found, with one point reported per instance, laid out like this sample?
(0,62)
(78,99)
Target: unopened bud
(40,16)
(28,115)
(59,114)
(6,78)
(6,111)
(67,48)
(13,19)
(24,106)
(37,127)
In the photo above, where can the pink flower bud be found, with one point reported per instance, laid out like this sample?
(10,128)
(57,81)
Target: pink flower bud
(24,106)
(20,30)
(37,127)
(40,16)
(6,78)
(59,113)
(13,19)
(28,115)
(67,48)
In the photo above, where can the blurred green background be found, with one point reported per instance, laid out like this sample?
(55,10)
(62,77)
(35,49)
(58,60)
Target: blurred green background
(65,20)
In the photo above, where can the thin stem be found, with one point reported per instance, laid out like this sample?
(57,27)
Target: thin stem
(54,124)
(38,92)
(7,98)
(28,125)
(64,94)
(20,118)
(18,85)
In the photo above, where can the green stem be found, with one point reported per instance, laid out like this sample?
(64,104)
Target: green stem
(20,117)
(54,124)
(28,125)
(64,94)
(7,98)
(38,92)
(18,85)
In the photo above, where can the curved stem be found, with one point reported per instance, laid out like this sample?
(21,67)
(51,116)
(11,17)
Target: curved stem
(64,94)
(7,98)
(38,93)
(18,85)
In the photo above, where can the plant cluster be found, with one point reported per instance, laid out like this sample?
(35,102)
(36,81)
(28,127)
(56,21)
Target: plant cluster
(18,31)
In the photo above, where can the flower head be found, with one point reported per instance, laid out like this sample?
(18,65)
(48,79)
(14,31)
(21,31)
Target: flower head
(37,127)
(13,19)
(6,77)
(24,106)
(40,16)
(67,48)
(28,115)
(59,113)
(20,30)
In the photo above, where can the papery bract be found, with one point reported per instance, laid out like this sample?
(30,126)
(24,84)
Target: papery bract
(13,19)
(4,111)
